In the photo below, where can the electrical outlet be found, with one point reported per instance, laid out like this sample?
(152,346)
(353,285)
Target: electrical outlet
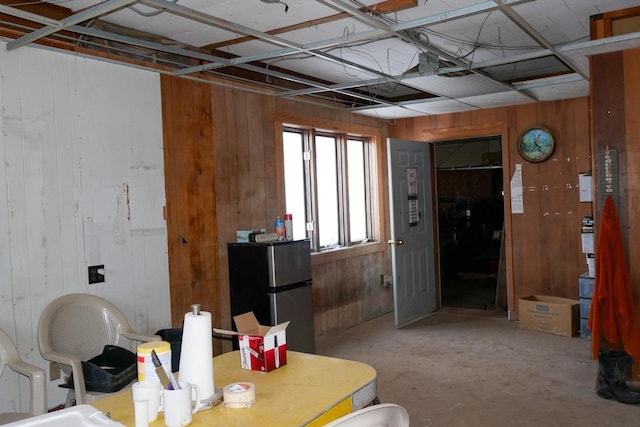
(54,371)
(386,280)
(96,274)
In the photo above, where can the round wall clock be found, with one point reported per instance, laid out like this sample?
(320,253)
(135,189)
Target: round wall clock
(536,144)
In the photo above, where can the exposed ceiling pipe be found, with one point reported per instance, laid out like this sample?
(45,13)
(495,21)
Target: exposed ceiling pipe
(416,41)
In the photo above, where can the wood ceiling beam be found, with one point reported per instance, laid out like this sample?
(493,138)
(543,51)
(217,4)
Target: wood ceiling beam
(49,10)
(77,18)
(384,7)
(23,26)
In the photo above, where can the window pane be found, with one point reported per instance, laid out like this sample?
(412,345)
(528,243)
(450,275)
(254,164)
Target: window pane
(357,193)
(293,148)
(327,188)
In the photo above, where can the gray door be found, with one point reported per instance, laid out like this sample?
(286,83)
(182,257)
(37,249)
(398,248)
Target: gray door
(412,240)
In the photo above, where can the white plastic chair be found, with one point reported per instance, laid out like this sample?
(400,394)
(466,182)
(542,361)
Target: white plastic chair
(75,328)
(9,357)
(382,415)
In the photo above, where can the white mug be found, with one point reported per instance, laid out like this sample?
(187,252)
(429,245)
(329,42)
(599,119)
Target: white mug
(179,405)
(151,391)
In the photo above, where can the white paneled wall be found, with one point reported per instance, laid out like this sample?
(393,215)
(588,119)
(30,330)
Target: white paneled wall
(81,183)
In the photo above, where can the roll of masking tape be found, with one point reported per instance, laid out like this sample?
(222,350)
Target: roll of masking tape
(239,395)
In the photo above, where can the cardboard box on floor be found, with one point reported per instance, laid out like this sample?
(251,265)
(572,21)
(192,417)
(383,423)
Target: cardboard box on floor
(262,348)
(556,315)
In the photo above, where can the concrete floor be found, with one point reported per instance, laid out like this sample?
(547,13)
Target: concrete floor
(461,367)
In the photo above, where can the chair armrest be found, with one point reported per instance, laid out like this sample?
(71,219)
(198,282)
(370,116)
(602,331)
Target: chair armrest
(138,336)
(76,368)
(38,384)
(24,368)
(55,356)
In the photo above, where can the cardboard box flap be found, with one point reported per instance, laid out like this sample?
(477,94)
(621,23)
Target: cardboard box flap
(550,299)
(247,323)
(225,332)
(270,330)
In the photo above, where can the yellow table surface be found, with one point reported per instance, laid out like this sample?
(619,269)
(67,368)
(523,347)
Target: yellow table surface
(309,387)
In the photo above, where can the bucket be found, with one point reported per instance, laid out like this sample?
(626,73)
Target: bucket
(146,368)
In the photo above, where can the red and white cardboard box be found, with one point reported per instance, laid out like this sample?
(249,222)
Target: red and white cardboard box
(262,348)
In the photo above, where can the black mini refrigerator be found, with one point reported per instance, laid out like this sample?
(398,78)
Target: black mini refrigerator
(273,279)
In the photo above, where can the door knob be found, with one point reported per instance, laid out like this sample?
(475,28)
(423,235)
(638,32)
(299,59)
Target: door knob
(395,242)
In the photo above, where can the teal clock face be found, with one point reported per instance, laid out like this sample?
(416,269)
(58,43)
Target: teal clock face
(536,144)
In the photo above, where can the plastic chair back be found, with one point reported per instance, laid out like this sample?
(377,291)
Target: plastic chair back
(382,415)
(9,357)
(83,329)
(76,327)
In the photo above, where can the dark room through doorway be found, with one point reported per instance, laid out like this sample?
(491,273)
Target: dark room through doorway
(470,197)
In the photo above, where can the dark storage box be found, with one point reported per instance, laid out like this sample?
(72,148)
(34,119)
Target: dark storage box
(174,337)
(110,371)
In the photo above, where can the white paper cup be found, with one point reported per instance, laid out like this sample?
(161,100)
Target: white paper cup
(151,391)
(141,414)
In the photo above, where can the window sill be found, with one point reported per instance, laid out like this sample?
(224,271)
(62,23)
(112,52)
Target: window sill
(332,255)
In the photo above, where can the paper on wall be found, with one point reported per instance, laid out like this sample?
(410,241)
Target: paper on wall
(517,205)
(588,244)
(584,182)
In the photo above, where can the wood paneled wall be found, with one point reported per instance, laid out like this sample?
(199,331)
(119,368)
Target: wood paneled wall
(222,177)
(190,208)
(222,161)
(543,245)
(616,126)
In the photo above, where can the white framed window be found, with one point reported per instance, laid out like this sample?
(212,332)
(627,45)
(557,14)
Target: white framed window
(329,186)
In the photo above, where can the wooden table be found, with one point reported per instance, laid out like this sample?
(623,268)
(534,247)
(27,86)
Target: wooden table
(310,390)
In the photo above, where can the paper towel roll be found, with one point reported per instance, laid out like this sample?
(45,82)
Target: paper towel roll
(196,355)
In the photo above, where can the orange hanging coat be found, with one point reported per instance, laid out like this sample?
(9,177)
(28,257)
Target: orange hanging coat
(612,316)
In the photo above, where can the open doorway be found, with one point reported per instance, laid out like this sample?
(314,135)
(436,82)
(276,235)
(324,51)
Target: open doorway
(470,197)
